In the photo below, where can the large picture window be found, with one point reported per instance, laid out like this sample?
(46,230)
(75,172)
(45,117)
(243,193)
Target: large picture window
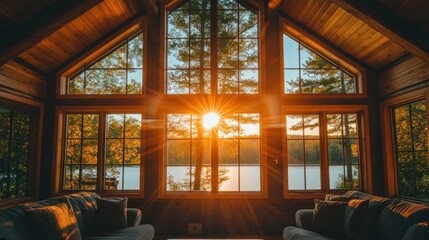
(323,142)
(119,144)
(211,153)
(199,63)
(411,149)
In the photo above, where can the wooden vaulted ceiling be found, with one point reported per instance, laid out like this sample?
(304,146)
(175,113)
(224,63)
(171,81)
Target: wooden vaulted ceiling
(45,35)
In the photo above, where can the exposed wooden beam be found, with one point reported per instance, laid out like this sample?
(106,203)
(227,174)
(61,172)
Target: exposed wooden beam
(42,25)
(398,30)
(273,7)
(151,7)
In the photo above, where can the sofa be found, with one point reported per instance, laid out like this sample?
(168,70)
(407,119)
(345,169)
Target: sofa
(79,214)
(358,215)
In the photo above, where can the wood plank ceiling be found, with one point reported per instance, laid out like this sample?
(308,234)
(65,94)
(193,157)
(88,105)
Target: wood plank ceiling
(325,18)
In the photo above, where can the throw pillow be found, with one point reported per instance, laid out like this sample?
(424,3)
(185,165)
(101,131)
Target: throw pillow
(111,213)
(56,222)
(354,217)
(328,218)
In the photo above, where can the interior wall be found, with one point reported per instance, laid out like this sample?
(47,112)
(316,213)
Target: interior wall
(220,217)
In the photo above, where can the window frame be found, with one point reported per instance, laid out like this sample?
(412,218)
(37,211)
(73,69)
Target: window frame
(328,51)
(97,52)
(35,110)
(213,48)
(364,149)
(102,111)
(388,136)
(262,194)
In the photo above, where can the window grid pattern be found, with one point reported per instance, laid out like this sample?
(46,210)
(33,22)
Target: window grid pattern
(239,152)
(190,165)
(119,72)
(212,51)
(410,132)
(303,151)
(188,148)
(188,49)
(14,153)
(343,151)
(307,72)
(81,151)
(238,38)
(123,152)
(304,144)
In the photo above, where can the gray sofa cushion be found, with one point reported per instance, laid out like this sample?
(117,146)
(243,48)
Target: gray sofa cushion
(398,216)
(328,218)
(84,206)
(304,218)
(417,231)
(354,217)
(141,232)
(296,233)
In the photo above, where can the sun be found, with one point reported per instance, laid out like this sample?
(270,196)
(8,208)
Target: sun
(210,120)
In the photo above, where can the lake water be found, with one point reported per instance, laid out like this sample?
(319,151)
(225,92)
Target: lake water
(249,177)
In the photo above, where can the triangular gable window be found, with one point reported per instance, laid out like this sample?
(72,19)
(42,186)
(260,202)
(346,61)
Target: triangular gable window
(307,72)
(119,72)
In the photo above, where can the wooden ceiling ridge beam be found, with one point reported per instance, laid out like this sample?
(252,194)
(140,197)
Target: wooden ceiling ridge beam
(393,27)
(42,25)
(273,7)
(151,7)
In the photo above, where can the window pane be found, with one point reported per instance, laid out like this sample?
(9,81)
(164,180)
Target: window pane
(228,151)
(116,59)
(178,54)
(343,151)
(200,22)
(106,81)
(14,154)
(228,53)
(250,178)
(178,152)
(178,82)
(248,24)
(178,178)
(410,136)
(248,53)
(133,124)
(228,178)
(291,52)
(306,72)
(178,125)
(178,24)
(135,52)
(249,82)
(249,125)
(227,24)
(292,82)
(134,81)
(228,82)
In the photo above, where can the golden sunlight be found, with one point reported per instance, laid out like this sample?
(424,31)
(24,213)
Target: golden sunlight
(210,120)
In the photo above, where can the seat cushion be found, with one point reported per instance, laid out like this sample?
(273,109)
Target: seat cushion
(354,217)
(141,232)
(417,231)
(295,233)
(398,216)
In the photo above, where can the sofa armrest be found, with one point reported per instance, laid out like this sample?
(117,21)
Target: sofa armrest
(304,218)
(134,217)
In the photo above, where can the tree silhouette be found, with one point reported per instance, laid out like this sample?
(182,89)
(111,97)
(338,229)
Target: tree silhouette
(189,146)
(14,153)
(412,150)
(119,72)
(189,53)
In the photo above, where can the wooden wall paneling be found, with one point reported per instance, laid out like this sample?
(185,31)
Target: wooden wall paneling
(309,11)
(403,75)
(385,54)
(13,77)
(346,35)
(369,44)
